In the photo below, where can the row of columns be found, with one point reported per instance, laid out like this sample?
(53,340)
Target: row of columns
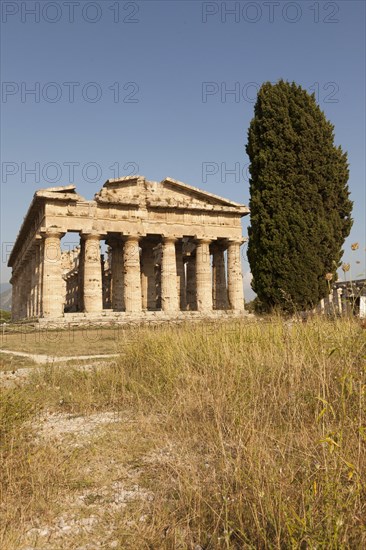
(339,302)
(38,289)
(27,283)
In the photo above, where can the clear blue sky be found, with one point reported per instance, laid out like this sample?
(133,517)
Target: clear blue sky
(172,64)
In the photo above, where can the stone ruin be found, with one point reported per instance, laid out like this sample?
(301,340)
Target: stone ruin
(172,251)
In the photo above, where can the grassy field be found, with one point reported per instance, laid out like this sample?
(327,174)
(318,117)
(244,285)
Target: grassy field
(69,342)
(235,436)
(13,362)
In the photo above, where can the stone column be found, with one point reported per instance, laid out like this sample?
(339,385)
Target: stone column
(18,297)
(132,277)
(344,301)
(80,306)
(18,310)
(191,283)
(40,276)
(92,283)
(148,285)
(235,276)
(117,282)
(25,288)
(14,296)
(30,280)
(34,278)
(52,302)
(37,282)
(203,275)
(219,294)
(105,283)
(28,284)
(329,304)
(337,300)
(362,307)
(22,269)
(12,281)
(169,291)
(157,270)
(181,276)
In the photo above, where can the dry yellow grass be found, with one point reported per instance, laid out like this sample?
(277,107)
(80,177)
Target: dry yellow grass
(248,436)
(14,362)
(72,341)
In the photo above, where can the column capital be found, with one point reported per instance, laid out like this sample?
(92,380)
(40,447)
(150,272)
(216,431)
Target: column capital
(47,232)
(91,235)
(203,240)
(238,241)
(169,239)
(132,238)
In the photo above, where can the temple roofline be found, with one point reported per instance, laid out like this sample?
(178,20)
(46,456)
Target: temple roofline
(200,200)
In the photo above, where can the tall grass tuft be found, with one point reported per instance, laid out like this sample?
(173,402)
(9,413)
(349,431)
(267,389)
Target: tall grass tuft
(267,423)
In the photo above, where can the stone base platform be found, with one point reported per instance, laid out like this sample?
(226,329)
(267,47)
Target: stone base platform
(110,318)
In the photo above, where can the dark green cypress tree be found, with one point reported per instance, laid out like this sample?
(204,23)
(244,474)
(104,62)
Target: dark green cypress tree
(299,198)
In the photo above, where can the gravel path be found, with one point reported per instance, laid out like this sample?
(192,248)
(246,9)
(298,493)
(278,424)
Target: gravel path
(44,359)
(10,378)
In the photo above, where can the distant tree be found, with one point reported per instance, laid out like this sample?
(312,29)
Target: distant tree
(299,198)
(5,316)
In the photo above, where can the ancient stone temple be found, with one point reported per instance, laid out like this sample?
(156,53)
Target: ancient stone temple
(170,250)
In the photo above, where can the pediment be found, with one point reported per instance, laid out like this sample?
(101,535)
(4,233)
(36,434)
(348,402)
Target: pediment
(192,195)
(136,191)
(124,191)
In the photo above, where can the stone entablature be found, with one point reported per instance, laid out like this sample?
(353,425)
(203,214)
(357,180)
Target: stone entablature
(170,246)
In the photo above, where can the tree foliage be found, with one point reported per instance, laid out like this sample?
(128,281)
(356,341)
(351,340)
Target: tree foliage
(299,198)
